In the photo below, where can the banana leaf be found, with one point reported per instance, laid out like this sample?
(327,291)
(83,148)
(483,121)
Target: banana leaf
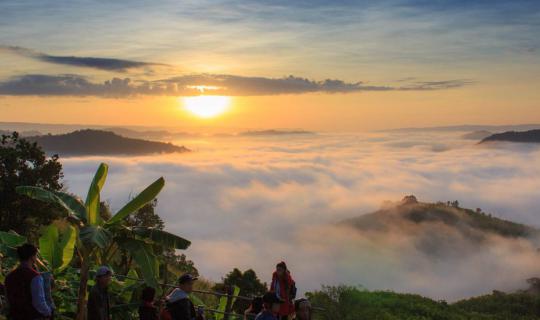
(162,238)
(93,197)
(138,202)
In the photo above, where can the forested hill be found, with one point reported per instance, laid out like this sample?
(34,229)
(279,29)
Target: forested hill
(98,142)
(409,213)
(342,302)
(532,136)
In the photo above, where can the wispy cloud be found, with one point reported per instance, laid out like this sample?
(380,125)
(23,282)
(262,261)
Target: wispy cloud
(109,64)
(232,85)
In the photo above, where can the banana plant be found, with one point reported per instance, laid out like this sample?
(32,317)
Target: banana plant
(97,240)
(57,245)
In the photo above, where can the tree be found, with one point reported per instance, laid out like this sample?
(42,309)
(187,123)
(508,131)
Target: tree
(25,163)
(98,240)
(249,285)
(146,217)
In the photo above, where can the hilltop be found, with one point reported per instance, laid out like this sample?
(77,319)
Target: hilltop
(531,136)
(470,224)
(99,142)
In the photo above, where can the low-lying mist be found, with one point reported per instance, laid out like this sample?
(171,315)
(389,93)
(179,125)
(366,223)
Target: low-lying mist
(251,202)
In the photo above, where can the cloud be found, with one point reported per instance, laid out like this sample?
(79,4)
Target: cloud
(281,198)
(109,64)
(231,85)
(437,85)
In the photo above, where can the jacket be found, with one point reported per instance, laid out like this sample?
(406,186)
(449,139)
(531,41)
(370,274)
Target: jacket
(99,305)
(19,294)
(180,306)
(284,288)
(147,311)
(266,315)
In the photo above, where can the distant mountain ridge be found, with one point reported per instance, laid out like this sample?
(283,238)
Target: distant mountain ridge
(477,135)
(99,142)
(471,127)
(531,136)
(274,132)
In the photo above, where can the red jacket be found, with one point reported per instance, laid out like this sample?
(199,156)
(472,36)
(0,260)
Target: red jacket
(283,288)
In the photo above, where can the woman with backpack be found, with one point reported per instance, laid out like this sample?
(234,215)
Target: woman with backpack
(284,287)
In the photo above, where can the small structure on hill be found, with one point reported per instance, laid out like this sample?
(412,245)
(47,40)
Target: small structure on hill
(411,199)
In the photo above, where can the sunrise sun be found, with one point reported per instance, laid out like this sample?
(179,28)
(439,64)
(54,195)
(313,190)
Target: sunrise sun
(206,106)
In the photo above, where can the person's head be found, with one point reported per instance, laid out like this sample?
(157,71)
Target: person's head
(148,294)
(27,253)
(303,309)
(256,305)
(272,302)
(103,276)
(186,281)
(281,269)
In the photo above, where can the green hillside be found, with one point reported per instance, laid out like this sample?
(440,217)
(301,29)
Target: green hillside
(350,303)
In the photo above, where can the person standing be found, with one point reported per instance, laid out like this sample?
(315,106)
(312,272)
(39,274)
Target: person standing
(48,287)
(147,309)
(179,305)
(254,309)
(271,307)
(284,287)
(24,288)
(99,305)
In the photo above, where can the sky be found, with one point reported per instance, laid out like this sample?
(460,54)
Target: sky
(317,65)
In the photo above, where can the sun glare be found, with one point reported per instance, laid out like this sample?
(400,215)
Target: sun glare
(207,106)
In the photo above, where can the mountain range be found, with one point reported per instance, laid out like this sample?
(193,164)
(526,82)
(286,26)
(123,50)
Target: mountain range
(530,136)
(99,142)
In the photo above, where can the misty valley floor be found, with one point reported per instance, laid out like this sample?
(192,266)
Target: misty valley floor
(250,201)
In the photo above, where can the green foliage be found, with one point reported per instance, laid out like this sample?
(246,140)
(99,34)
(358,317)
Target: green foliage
(58,245)
(144,256)
(24,163)
(352,303)
(222,306)
(147,195)
(99,240)
(93,198)
(92,236)
(500,305)
(11,239)
(248,282)
(162,238)
(146,217)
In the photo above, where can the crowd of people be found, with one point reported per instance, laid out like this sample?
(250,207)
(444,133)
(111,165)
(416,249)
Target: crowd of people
(29,296)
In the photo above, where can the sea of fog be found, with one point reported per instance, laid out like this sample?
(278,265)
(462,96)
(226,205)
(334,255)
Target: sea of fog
(249,202)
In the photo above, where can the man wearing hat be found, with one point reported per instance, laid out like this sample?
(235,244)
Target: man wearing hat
(272,304)
(179,305)
(98,306)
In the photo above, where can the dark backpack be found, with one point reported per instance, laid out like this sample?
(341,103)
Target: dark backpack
(293,290)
